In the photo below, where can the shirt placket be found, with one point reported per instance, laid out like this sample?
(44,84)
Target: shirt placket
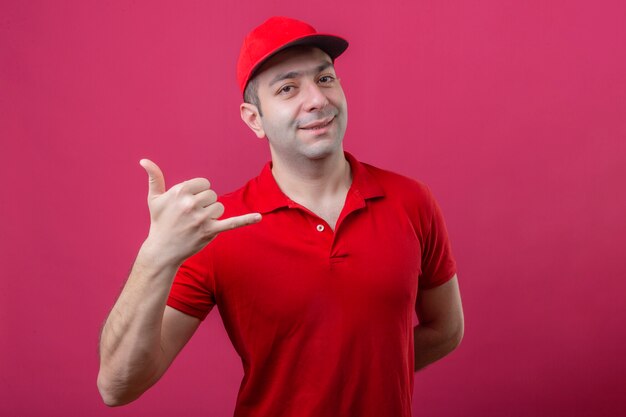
(340,250)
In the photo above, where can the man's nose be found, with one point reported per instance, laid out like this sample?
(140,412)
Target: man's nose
(315,97)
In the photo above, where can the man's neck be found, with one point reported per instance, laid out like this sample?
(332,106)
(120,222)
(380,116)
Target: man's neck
(311,182)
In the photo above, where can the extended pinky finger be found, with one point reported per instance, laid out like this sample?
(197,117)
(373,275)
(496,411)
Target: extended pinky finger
(236,222)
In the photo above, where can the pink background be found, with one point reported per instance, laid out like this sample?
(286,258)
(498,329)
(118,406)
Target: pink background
(514,112)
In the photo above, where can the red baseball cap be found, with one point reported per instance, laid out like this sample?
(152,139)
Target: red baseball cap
(276,34)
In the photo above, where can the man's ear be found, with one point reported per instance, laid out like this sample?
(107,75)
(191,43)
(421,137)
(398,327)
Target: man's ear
(250,116)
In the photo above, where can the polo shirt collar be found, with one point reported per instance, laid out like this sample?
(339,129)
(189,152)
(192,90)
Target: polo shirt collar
(266,196)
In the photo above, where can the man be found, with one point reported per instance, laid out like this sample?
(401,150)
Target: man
(315,264)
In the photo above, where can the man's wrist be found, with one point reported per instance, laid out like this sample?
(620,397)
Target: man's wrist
(152,256)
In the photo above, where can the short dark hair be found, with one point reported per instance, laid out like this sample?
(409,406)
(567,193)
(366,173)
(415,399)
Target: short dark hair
(251,94)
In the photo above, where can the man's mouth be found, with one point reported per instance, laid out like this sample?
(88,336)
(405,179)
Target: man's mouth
(318,124)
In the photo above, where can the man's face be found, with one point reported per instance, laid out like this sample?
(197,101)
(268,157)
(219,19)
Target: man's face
(303,105)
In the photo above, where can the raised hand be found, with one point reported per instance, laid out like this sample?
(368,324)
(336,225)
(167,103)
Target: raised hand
(185,218)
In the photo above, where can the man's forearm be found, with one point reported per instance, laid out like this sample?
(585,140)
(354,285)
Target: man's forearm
(432,344)
(130,343)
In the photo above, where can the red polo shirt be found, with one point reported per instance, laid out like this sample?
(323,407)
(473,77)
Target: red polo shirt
(322,320)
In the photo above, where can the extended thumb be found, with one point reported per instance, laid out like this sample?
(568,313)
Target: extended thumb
(156,182)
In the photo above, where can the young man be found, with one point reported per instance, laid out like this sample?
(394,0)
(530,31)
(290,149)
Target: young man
(319,264)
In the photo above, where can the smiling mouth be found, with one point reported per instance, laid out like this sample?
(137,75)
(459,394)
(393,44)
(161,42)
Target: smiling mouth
(318,125)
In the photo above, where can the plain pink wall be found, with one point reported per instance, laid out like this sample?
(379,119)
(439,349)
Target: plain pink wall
(513,112)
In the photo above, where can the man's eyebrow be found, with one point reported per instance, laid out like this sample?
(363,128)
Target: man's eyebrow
(296,74)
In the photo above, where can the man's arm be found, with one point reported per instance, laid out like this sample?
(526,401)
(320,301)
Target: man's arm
(440,327)
(141,335)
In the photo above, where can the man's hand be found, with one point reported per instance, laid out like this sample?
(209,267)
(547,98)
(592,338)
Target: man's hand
(184,219)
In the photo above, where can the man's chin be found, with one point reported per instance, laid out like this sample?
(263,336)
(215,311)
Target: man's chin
(321,150)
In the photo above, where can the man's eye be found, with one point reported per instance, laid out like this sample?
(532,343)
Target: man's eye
(286,89)
(325,79)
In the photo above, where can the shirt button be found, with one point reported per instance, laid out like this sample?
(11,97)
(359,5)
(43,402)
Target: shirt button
(320,227)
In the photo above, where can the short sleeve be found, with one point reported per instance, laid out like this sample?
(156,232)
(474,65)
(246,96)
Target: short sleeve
(193,288)
(438,264)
